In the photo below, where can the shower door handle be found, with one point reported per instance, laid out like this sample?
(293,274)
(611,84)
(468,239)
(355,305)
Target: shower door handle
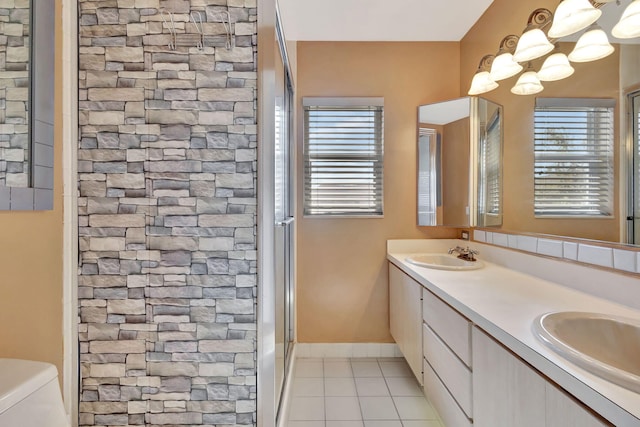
(285,222)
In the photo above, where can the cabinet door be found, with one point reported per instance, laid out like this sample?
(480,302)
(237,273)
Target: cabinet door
(405,317)
(506,391)
(564,411)
(395,303)
(413,327)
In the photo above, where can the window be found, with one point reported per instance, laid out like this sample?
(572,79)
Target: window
(343,156)
(573,157)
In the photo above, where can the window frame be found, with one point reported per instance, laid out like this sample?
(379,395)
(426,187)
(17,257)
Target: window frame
(337,102)
(606,197)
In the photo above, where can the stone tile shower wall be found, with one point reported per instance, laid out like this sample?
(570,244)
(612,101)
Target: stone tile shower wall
(14,93)
(167,181)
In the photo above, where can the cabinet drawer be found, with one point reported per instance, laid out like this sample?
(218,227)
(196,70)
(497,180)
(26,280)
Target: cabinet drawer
(453,373)
(451,326)
(447,408)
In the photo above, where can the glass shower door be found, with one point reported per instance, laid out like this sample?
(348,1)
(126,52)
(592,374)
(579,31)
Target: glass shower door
(633,216)
(284,220)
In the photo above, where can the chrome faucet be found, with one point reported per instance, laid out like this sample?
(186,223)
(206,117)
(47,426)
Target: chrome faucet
(466,254)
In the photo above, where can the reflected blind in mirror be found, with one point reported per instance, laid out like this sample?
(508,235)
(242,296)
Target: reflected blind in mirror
(429,164)
(490,149)
(573,157)
(343,157)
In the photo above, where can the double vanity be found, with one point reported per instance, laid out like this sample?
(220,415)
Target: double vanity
(480,337)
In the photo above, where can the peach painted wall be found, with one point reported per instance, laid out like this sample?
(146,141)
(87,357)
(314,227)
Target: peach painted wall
(342,285)
(597,79)
(31,265)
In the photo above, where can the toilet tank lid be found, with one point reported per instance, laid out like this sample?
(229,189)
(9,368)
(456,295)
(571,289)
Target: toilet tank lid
(20,378)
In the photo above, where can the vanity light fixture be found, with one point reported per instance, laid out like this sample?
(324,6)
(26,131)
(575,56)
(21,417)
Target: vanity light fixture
(629,25)
(572,16)
(482,81)
(592,45)
(534,43)
(555,67)
(503,65)
(528,83)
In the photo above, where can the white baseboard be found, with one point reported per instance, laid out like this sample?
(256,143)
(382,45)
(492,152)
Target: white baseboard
(339,350)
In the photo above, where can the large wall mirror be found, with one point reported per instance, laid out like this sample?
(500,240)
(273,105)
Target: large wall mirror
(27,52)
(460,163)
(530,148)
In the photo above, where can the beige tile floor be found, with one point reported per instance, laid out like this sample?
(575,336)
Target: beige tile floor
(358,393)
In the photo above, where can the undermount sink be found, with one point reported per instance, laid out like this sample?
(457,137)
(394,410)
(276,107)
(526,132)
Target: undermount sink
(443,262)
(607,346)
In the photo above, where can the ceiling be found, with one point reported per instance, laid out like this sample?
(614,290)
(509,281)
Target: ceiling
(379,20)
(446,112)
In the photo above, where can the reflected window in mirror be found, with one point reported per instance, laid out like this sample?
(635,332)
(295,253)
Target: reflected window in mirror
(27,105)
(429,177)
(490,170)
(444,165)
(573,144)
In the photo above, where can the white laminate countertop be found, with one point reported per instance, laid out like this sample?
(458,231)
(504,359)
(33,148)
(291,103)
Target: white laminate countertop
(505,302)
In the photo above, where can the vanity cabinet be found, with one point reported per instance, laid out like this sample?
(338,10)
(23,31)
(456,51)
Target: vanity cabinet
(471,379)
(446,340)
(505,390)
(508,392)
(562,410)
(405,317)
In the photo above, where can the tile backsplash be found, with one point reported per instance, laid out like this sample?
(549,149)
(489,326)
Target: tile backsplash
(601,256)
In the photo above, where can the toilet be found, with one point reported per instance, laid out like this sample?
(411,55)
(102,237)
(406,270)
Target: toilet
(30,395)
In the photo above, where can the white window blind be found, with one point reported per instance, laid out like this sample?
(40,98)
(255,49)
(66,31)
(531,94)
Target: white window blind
(573,157)
(343,157)
(429,195)
(490,162)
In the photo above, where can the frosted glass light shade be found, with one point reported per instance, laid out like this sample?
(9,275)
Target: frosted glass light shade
(504,67)
(532,44)
(592,45)
(572,16)
(527,84)
(482,83)
(629,25)
(555,67)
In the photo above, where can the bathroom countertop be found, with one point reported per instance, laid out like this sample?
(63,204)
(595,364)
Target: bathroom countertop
(505,302)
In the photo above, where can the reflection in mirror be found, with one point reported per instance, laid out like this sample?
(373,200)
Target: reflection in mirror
(443,163)
(489,187)
(14,95)
(460,159)
(613,77)
(27,61)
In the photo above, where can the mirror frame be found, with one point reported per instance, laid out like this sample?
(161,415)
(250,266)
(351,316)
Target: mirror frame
(39,194)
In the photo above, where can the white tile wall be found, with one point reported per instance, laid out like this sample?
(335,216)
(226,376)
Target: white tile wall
(619,259)
(527,243)
(501,239)
(596,255)
(570,250)
(550,247)
(624,260)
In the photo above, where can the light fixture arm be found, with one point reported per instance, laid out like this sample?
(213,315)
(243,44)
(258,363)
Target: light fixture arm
(539,18)
(508,44)
(485,63)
